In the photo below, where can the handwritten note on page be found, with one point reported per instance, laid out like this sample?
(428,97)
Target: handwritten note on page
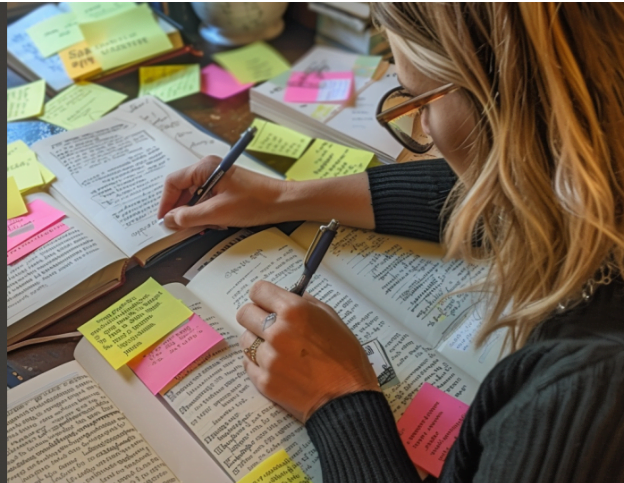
(133,324)
(127,37)
(220,84)
(37,241)
(79,61)
(279,140)
(25,101)
(182,347)
(15,203)
(326,160)
(278,468)
(40,216)
(330,87)
(80,105)
(169,82)
(255,62)
(430,426)
(56,33)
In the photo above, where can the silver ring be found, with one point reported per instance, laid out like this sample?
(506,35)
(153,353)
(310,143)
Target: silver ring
(269,320)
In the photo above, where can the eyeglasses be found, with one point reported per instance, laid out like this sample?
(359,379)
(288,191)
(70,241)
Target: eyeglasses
(399,112)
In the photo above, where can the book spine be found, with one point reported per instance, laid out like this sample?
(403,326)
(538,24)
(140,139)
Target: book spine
(353,23)
(368,42)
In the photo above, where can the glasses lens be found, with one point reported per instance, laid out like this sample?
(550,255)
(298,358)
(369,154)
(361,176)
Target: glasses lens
(407,128)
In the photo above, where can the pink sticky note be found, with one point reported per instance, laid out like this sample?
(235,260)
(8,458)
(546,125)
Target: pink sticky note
(219,83)
(171,356)
(40,216)
(37,241)
(430,426)
(326,87)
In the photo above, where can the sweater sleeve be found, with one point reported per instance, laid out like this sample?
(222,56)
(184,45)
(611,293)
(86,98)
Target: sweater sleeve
(357,441)
(408,198)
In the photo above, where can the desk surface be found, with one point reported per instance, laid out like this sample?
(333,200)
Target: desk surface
(227,119)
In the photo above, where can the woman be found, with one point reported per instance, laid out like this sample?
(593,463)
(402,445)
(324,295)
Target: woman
(531,122)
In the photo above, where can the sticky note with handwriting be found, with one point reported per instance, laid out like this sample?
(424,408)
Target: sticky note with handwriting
(18,153)
(130,326)
(79,61)
(55,33)
(255,62)
(15,202)
(92,11)
(25,101)
(169,82)
(80,104)
(181,348)
(324,87)
(125,38)
(37,241)
(220,84)
(430,426)
(22,165)
(277,468)
(279,140)
(40,216)
(328,160)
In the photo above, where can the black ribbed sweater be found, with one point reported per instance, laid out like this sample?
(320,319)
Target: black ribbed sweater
(551,412)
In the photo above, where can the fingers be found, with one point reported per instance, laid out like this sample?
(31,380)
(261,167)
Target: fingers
(188,216)
(252,318)
(272,298)
(263,351)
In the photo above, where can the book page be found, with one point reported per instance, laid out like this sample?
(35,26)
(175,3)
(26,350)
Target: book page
(113,172)
(60,265)
(62,427)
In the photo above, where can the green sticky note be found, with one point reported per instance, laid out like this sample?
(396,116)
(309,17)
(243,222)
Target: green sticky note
(25,101)
(125,38)
(92,11)
(134,323)
(169,82)
(281,141)
(23,167)
(255,62)
(80,105)
(15,203)
(329,160)
(55,33)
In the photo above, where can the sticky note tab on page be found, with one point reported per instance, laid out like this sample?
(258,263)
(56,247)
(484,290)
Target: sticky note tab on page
(40,216)
(169,82)
(277,468)
(326,160)
(35,242)
(279,140)
(130,326)
(55,33)
(328,87)
(15,203)
(25,101)
(181,348)
(255,62)
(220,84)
(80,105)
(430,426)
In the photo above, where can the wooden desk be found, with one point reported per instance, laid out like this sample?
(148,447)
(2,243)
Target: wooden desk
(227,119)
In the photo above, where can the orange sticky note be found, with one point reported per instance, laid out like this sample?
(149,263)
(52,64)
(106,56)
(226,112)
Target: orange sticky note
(79,61)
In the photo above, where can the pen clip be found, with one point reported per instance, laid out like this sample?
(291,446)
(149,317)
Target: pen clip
(333,226)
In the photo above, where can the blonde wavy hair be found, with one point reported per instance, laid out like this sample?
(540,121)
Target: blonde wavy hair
(544,193)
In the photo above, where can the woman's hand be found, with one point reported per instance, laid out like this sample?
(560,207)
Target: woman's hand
(241,198)
(308,357)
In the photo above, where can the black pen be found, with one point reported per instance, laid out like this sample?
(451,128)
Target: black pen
(226,163)
(316,252)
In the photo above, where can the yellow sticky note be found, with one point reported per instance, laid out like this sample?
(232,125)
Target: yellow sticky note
(25,101)
(79,61)
(134,323)
(47,175)
(80,104)
(15,203)
(329,160)
(127,37)
(278,140)
(23,166)
(255,62)
(169,82)
(92,11)
(55,33)
(277,468)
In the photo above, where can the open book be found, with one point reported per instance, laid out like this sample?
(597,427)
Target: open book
(110,176)
(214,422)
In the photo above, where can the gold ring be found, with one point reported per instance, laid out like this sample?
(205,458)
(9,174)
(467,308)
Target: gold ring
(251,350)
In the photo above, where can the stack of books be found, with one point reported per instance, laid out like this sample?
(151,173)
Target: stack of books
(348,26)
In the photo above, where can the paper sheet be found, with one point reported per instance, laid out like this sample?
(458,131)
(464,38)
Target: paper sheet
(181,348)
(326,160)
(40,216)
(255,62)
(309,87)
(15,203)
(55,33)
(35,242)
(169,82)
(430,426)
(92,11)
(278,468)
(279,140)
(127,37)
(220,84)
(81,104)
(134,323)
(25,101)
(79,61)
